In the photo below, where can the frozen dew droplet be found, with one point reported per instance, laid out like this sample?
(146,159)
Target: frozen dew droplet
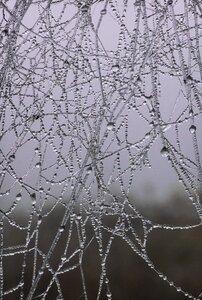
(36,150)
(84,8)
(40,272)
(164,151)
(78,217)
(18,197)
(192,129)
(63,258)
(39,219)
(103,12)
(110,125)
(5,31)
(62,228)
(38,165)
(147,135)
(33,198)
(191,112)
(12,157)
(115,68)
(89,170)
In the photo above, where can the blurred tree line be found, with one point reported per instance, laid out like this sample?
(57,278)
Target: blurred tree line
(176,253)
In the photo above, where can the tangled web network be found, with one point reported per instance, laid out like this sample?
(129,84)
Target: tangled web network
(88,90)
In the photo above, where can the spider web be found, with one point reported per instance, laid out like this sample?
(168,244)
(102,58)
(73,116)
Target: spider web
(86,97)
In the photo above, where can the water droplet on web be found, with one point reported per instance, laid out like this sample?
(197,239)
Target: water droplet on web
(5,32)
(89,170)
(38,165)
(115,68)
(41,189)
(147,135)
(110,125)
(191,112)
(79,217)
(18,197)
(63,258)
(39,219)
(36,150)
(84,8)
(164,151)
(33,198)
(103,12)
(192,129)
(103,264)
(12,157)
(62,228)
(40,272)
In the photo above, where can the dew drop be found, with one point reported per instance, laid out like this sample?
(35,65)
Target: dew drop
(89,170)
(79,216)
(164,151)
(103,12)
(115,68)
(192,129)
(62,228)
(147,135)
(63,258)
(36,150)
(33,198)
(39,219)
(110,125)
(41,189)
(38,165)
(84,8)
(18,197)
(5,31)
(12,157)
